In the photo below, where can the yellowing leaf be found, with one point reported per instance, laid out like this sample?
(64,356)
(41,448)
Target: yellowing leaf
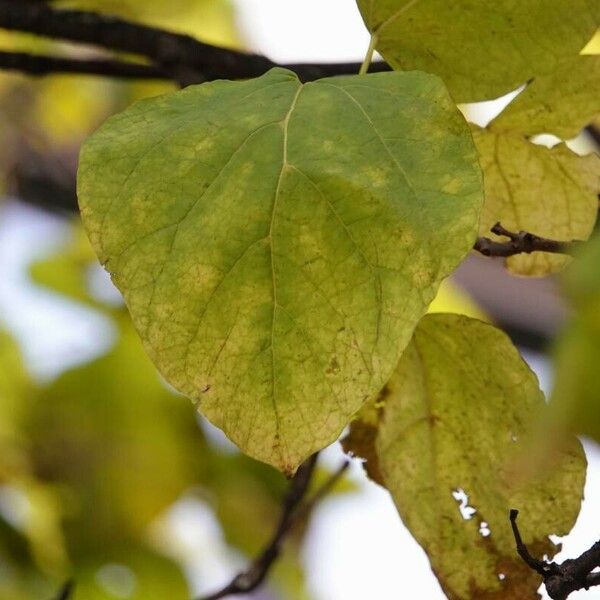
(481,49)
(276,243)
(457,411)
(561,102)
(551,192)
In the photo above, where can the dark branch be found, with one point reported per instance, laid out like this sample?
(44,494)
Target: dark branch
(294,510)
(593,579)
(33,64)
(181,57)
(564,579)
(521,242)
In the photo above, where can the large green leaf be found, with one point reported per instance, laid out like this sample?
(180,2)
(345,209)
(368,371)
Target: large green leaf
(455,416)
(276,243)
(481,49)
(551,192)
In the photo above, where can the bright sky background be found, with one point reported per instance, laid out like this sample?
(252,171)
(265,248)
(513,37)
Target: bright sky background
(358,547)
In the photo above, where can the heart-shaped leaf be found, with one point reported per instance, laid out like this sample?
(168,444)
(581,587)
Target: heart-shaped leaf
(276,243)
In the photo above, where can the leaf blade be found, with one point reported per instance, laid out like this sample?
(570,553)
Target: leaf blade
(268,269)
(455,414)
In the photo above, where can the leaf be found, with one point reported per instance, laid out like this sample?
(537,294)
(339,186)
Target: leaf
(362,435)
(576,393)
(275,247)
(452,298)
(458,410)
(480,50)
(549,192)
(560,102)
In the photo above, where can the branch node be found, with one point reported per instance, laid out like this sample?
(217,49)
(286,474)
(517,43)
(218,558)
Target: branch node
(561,580)
(521,242)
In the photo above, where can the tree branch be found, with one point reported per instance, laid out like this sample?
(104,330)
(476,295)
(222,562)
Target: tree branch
(294,510)
(181,57)
(34,64)
(564,579)
(522,242)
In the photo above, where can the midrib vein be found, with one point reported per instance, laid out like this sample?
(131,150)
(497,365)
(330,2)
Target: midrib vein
(284,164)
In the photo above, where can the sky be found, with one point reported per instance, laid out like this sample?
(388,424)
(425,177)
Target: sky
(357,546)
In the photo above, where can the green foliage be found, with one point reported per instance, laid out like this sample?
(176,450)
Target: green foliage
(480,50)
(561,102)
(576,395)
(277,244)
(453,419)
(275,260)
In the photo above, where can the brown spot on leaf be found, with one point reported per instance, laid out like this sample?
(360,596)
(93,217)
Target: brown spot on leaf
(361,442)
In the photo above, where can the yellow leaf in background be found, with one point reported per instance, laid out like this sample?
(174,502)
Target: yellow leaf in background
(453,299)
(455,414)
(67,108)
(551,192)
(210,20)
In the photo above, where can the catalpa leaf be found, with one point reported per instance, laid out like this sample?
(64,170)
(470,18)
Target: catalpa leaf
(454,421)
(561,102)
(481,50)
(276,243)
(551,192)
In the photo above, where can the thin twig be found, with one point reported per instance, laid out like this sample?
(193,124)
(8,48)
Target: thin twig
(323,491)
(571,575)
(521,242)
(251,578)
(294,510)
